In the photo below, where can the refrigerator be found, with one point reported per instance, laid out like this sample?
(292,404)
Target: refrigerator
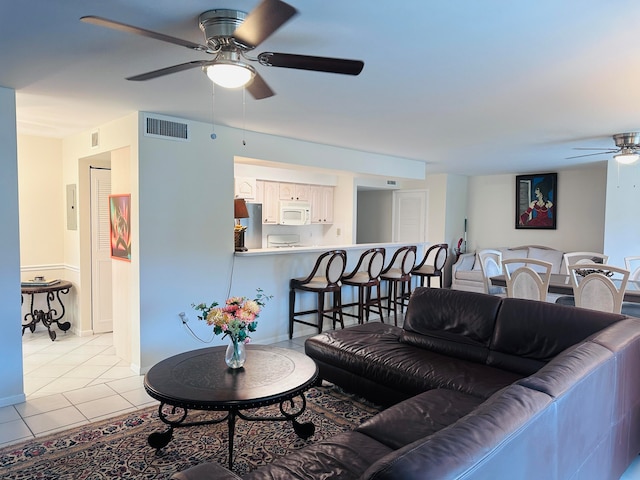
(253,234)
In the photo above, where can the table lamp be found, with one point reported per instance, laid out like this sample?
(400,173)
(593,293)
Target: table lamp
(239,211)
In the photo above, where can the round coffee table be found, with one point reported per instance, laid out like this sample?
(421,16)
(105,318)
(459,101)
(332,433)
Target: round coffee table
(200,380)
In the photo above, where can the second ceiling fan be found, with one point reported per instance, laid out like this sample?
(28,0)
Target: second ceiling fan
(627,149)
(229,36)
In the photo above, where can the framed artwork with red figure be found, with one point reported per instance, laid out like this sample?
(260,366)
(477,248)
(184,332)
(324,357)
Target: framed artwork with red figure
(537,201)
(120,220)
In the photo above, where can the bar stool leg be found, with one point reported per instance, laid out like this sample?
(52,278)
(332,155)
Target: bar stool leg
(320,311)
(292,301)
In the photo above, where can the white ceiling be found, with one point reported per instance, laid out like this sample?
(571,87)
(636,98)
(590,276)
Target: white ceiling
(472,87)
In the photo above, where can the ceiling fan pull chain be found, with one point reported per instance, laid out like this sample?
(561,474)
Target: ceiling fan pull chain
(244,117)
(213,111)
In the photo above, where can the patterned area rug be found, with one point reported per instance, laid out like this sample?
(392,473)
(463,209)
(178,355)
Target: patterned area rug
(118,448)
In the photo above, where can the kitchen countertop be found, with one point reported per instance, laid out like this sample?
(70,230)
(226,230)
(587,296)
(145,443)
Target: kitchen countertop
(319,248)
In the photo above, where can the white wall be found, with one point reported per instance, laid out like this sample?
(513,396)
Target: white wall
(622,224)
(42,204)
(580,212)
(11,386)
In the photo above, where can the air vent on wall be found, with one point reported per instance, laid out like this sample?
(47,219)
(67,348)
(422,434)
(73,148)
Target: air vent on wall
(391,182)
(95,139)
(167,129)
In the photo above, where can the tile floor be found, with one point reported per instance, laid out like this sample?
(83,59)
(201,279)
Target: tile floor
(74,381)
(79,380)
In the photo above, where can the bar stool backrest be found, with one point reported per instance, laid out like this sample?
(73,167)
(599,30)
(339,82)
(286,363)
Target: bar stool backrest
(335,266)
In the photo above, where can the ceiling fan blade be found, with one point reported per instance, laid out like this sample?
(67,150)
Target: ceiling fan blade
(586,148)
(168,70)
(262,21)
(123,27)
(592,154)
(259,89)
(307,62)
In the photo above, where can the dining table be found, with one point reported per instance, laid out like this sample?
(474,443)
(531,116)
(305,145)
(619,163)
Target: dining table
(561,284)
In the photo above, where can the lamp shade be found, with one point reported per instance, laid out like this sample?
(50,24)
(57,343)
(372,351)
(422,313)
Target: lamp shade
(230,75)
(240,208)
(626,158)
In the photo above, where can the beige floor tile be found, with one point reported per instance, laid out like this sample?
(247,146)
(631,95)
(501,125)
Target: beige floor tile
(60,385)
(139,397)
(8,414)
(89,393)
(13,432)
(42,405)
(104,406)
(102,359)
(86,371)
(55,420)
(118,372)
(127,384)
(33,384)
(75,359)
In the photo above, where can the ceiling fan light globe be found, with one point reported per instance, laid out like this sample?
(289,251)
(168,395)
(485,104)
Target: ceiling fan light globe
(228,75)
(626,158)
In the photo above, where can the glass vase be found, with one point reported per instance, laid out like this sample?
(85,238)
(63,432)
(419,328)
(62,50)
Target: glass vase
(236,355)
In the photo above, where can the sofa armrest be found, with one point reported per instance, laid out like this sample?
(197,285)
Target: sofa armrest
(465,262)
(206,471)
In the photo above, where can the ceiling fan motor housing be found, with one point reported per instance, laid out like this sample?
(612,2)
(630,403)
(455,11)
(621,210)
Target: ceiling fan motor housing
(218,26)
(631,139)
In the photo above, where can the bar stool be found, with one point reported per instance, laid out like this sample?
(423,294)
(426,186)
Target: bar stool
(437,257)
(398,276)
(365,281)
(333,262)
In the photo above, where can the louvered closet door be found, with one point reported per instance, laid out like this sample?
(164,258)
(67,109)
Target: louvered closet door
(101,295)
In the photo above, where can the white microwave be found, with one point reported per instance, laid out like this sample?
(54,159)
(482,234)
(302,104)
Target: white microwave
(295,213)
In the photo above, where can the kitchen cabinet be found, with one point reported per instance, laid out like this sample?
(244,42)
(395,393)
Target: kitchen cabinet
(270,202)
(245,188)
(321,199)
(294,192)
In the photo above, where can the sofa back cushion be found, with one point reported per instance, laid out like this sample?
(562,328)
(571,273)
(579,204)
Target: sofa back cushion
(554,257)
(528,333)
(451,322)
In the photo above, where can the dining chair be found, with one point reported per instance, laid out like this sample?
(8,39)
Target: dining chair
(432,264)
(397,274)
(324,278)
(524,281)
(597,291)
(365,280)
(491,265)
(573,258)
(633,265)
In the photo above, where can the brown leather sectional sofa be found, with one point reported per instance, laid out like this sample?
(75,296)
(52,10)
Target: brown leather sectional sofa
(478,387)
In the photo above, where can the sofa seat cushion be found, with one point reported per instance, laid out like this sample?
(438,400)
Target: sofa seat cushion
(470,275)
(366,351)
(418,417)
(345,456)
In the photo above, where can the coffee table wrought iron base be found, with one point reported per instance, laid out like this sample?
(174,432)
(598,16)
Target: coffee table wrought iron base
(200,380)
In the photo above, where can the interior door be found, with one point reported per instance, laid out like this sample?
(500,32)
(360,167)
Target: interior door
(101,294)
(410,216)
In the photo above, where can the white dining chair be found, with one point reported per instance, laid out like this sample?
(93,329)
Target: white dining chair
(633,265)
(597,291)
(524,281)
(491,265)
(572,258)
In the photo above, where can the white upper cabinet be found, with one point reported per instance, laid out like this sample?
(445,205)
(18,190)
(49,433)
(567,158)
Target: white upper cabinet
(294,192)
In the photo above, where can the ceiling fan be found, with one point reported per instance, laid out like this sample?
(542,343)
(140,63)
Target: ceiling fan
(229,36)
(627,151)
